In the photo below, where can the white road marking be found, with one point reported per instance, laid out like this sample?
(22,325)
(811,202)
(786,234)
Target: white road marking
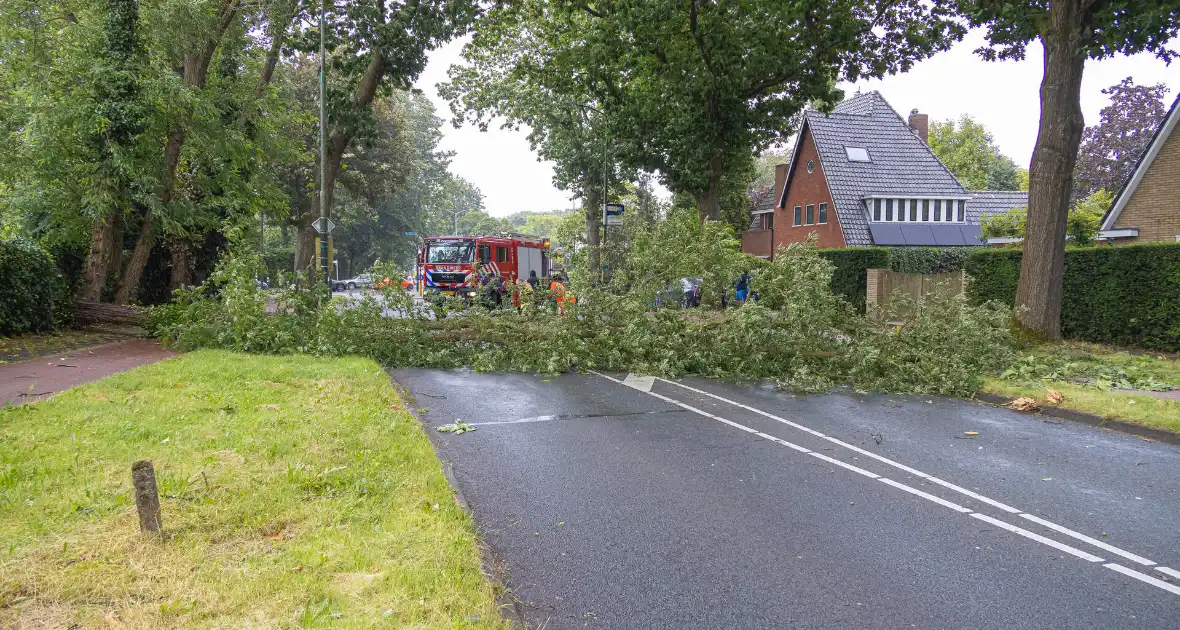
(795,425)
(1084,538)
(925,495)
(1074,551)
(520,421)
(974,495)
(1143,577)
(832,460)
(642,383)
(1166,571)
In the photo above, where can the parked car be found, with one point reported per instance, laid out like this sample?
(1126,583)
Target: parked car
(363,280)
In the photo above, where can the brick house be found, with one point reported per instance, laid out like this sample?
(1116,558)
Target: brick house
(1146,209)
(863,176)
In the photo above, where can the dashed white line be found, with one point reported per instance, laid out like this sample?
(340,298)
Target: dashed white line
(974,495)
(1073,551)
(832,460)
(926,495)
(978,497)
(1166,571)
(1143,577)
(1092,541)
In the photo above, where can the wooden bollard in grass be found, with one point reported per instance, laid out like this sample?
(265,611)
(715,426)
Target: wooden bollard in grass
(147,498)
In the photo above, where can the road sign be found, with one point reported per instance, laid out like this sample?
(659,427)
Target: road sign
(323,225)
(612,214)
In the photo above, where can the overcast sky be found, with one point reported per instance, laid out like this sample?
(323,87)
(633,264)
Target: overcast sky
(1002,96)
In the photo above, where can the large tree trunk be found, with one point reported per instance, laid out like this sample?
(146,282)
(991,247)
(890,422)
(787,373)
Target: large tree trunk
(305,244)
(709,199)
(1042,272)
(593,210)
(196,70)
(103,249)
(129,283)
(180,249)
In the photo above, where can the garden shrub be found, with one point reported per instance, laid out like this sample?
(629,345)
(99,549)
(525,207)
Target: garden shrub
(848,277)
(1125,295)
(29,280)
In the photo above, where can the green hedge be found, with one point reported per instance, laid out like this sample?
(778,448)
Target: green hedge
(28,281)
(1126,295)
(929,259)
(849,278)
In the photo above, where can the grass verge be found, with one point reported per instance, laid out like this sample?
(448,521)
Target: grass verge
(1087,375)
(296,492)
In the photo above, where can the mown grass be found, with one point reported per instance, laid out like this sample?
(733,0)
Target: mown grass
(1087,397)
(296,492)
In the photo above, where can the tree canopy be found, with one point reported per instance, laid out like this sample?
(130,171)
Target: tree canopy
(966,148)
(1111,148)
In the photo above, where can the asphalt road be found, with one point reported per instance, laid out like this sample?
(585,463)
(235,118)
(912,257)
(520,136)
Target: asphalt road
(617,502)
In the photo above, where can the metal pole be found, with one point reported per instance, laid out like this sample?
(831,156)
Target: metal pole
(602,253)
(323,149)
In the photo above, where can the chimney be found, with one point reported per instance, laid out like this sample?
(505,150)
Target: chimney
(780,176)
(920,124)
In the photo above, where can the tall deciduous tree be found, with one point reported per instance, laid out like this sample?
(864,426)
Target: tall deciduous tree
(375,47)
(967,148)
(1070,32)
(1110,149)
(691,90)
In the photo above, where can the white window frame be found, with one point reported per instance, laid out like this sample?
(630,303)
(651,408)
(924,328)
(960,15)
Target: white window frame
(947,208)
(821,212)
(797,216)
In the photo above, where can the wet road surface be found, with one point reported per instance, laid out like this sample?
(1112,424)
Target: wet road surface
(614,501)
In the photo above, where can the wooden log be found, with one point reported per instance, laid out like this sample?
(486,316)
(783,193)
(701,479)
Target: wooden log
(88,313)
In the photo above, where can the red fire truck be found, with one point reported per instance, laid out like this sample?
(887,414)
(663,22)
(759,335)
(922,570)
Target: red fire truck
(446,263)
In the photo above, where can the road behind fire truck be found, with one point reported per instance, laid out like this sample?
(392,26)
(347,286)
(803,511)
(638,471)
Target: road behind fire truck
(446,264)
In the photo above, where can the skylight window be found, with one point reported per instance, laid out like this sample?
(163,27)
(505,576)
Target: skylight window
(857,154)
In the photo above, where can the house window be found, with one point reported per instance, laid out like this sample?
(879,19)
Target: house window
(501,254)
(888,209)
(925,209)
(913,203)
(937,209)
(876,209)
(810,165)
(768,221)
(961,210)
(810,214)
(857,154)
(823,213)
(798,215)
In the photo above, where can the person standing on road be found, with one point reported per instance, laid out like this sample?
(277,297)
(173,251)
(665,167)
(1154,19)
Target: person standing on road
(742,287)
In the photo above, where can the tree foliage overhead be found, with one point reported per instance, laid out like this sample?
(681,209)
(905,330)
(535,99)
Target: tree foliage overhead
(1111,148)
(691,90)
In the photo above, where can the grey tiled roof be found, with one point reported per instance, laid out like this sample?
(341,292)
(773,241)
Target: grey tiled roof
(901,164)
(989,202)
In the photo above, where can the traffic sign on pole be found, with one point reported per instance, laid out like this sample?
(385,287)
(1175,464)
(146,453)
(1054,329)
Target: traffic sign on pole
(323,225)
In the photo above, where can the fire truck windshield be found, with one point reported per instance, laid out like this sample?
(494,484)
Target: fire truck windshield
(451,252)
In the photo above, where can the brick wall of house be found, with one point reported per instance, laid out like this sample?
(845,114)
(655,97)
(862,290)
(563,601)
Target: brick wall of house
(1155,206)
(805,188)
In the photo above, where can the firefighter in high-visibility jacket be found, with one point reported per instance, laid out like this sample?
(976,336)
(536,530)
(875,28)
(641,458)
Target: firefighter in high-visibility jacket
(557,289)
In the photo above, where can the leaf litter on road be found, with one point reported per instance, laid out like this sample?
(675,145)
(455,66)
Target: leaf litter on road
(456,427)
